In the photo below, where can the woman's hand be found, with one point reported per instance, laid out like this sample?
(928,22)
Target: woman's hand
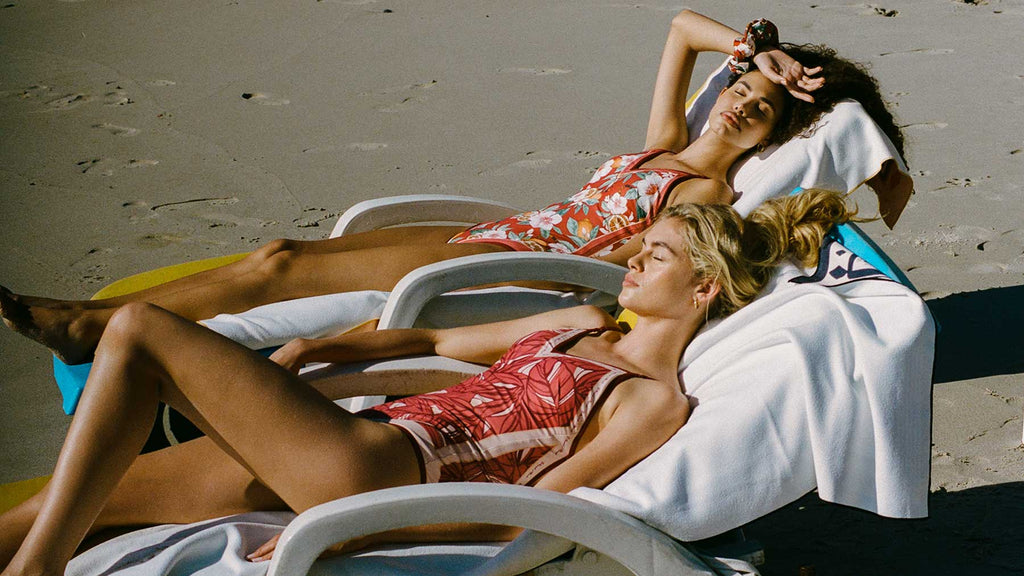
(782,69)
(291,354)
(264,552)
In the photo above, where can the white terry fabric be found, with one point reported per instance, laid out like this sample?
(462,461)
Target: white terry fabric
(315,317)
(218,548)
(823,384)
(845,149)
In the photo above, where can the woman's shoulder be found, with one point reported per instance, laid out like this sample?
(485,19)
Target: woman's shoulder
(654,401)
(702,190)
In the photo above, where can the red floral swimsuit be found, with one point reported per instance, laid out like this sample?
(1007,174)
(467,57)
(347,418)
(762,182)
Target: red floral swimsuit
(619,201)
(512,422)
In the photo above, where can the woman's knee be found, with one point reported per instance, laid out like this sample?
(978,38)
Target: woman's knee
(132,321)
(274,247)
(278,265)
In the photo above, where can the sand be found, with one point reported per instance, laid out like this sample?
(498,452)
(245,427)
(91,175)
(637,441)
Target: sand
(140,134)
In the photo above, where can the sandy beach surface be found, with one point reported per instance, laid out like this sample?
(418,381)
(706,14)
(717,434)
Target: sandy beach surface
(139,134)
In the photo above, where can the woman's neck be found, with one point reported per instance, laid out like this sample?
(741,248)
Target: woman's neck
(710,156)
(655,345)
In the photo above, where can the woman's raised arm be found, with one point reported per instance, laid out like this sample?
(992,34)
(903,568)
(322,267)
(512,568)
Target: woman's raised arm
(483,343)
(691,33)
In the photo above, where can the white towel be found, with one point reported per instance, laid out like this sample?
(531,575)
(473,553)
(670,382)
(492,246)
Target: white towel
(824,384)
(315,317)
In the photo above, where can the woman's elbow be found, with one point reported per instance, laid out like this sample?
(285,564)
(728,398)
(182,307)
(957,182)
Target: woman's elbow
(681,19)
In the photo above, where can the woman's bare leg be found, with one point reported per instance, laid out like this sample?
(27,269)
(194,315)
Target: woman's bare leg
(289,437)
(402,236)
(185,483)
(284,274)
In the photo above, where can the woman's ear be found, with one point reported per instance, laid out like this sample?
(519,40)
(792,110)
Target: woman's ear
(707,291)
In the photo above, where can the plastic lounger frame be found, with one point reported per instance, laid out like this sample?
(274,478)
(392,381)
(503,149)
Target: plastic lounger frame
(639,548)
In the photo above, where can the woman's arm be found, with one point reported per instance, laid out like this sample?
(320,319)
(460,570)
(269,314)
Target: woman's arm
(483,343)
(691,33)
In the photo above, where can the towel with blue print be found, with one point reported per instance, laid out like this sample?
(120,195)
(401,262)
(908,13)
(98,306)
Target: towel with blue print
(837,266)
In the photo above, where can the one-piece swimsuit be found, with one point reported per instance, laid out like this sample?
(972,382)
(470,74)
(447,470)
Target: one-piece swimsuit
(620,200)
(512,422)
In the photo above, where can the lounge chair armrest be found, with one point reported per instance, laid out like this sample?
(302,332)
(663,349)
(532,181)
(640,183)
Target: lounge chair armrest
(418,287)
(638,547)
(395,210)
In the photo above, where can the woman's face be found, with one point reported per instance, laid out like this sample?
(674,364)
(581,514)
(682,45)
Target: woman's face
(661,280)
(746,112)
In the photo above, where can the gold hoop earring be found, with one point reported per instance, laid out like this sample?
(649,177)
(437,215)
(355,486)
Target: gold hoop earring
(696,304)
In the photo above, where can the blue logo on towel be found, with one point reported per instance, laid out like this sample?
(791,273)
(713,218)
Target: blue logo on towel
(838,266)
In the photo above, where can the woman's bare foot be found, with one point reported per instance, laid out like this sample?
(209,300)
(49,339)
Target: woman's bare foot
(40,301)
(54,328)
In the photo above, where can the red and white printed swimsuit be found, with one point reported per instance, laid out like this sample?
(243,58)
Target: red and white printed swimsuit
(512,422)
(619,201)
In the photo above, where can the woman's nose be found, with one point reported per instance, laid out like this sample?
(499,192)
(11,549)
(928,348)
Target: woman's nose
(634,262)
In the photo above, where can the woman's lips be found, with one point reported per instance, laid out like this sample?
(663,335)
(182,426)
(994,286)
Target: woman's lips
(731,119)
(628,281)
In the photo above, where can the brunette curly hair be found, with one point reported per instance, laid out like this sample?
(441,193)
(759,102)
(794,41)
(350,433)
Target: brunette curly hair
(843,79)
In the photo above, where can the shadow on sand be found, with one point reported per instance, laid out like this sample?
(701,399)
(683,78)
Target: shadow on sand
(982,334)
(971,532)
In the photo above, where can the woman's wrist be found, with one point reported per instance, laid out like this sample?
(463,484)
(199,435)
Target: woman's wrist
(760,35)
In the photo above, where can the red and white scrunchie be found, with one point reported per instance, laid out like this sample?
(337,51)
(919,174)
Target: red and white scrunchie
(760,35)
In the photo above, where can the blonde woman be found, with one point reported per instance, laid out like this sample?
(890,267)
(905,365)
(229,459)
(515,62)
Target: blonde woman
(274,442)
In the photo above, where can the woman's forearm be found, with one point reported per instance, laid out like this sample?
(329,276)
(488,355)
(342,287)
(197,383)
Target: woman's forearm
(363,346)
(690,34)
(702,34)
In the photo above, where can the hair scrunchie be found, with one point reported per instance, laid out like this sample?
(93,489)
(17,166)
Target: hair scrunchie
(760,35)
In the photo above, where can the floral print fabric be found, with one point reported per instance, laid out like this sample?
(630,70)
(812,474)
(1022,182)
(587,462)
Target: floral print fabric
(619,201)
(512,422)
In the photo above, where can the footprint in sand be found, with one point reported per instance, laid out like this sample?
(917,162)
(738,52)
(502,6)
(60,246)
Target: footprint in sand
(265,99)
(154,241)
(96,166)
(926,51)
(415,97)
(117,98)
(161,83)
(926,126)
(35,91)
(314,220)
(116,130)
(367,146)
(141,163)
(68,101)
(232,221)
(646,7)
(224,201)
(535,71)
(878,10)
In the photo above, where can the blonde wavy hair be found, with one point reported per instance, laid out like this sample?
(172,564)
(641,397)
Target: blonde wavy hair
(742,254)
